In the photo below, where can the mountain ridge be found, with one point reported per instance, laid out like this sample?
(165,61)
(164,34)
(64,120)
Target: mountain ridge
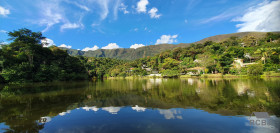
(151,50)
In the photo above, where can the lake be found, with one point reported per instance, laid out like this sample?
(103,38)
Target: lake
(142,105)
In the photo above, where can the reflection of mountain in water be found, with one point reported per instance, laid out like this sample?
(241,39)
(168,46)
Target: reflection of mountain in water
(23,106)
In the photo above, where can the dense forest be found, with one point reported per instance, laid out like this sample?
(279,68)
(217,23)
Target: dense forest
(27,59)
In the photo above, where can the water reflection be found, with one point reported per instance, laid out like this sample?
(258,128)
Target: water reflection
(152,105)
(138,109)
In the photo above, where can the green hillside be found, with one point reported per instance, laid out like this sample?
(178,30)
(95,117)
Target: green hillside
(152,50)
(126,53)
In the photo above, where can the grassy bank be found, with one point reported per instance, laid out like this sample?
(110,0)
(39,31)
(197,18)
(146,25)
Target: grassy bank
(265,75)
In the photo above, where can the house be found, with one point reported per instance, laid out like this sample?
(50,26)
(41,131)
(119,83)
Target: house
(238,63)
(154,75)
(195,70)
(146,68)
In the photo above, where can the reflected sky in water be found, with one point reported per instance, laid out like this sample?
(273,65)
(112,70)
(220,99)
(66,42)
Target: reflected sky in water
(150,105)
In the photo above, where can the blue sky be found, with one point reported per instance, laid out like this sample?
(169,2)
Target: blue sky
(107,24)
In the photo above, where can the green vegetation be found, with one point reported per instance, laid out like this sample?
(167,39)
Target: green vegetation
(255,69)
(236,56)
(26,59)
(152,50)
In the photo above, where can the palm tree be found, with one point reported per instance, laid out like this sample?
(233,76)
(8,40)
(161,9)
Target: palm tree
(263,52)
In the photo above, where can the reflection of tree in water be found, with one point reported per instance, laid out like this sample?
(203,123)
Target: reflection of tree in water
(22,108)
(33,127)
(212,95)
(23,112)
(273,87)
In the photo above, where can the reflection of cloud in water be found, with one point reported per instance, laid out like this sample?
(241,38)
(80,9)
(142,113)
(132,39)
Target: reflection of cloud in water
(170,114)
(251,93)
(93,108)
(112,110)
(151,82)
(241,88)
(190,81)
(273,125)
(64,113)
(138,109)
(45,119)
(156,81)
(198,90)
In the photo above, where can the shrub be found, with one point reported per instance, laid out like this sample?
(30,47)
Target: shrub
(255,69)
(170,73)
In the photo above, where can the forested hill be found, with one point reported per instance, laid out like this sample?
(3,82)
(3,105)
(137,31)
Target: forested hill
(126,53)
(151,50)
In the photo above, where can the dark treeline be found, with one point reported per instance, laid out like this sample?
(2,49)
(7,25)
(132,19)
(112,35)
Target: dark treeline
(26,59)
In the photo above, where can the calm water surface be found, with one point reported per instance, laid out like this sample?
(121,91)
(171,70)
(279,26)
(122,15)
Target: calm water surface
(143,105)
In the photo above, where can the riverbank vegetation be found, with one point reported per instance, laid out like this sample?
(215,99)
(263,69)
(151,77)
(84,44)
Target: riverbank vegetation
(28,58)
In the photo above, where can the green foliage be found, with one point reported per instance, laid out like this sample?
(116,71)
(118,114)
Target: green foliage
(26,60)
(255,69)
(213,56)
(226,61)
(170,73)
(170,63)
(272,36)
(188,62)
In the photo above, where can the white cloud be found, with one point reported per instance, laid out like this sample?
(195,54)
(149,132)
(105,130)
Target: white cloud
(3,31)
(153,13)
(116,8)
(71,26)
(81,6)
(50,14)
(142,6)
(263,17)
(104,8)
(54,12)
(135,46)
(3,43)
(112,110)
(123,8)
(111,46)
(4,12)
(65,46)
(138,109)
(167,39)
(47,42)
(91,49)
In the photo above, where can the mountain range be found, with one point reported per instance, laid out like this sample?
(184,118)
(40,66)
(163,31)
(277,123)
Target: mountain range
(151,50)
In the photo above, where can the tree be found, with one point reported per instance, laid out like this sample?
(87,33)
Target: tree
(263,52)
(188,62)
(25,36)
(25,60)
(170,63)
(255,69)
(226,60)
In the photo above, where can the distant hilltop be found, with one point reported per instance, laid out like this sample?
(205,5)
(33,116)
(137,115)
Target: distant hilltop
(151,50)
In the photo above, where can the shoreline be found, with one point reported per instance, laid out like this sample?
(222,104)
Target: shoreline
(205,76)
